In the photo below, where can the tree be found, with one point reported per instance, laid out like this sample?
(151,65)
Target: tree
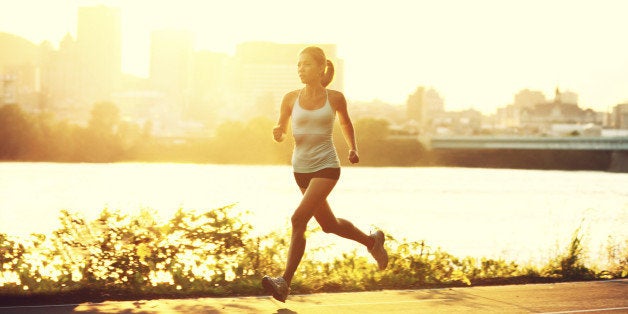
(372,129)
(99,142)
(16,133)
(105,117)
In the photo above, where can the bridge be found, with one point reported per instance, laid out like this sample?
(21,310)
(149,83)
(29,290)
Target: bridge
(536,143)
(617,146)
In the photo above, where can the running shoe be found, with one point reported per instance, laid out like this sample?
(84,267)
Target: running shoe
(277,286)
(378,251)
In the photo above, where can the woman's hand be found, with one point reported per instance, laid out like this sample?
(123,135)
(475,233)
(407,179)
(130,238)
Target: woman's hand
(278,134)
(353,156)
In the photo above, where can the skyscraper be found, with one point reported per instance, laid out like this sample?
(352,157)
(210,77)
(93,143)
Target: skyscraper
(171,59)
(423,105)
(99,52)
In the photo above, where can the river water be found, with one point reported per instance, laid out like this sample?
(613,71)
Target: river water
(527,216)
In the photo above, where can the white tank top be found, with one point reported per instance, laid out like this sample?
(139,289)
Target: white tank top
(313,145)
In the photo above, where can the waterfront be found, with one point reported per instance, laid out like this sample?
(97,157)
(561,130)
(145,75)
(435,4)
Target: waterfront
(521,215)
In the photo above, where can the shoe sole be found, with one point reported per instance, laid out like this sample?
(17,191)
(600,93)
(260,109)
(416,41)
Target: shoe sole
(381,236)
(270,287)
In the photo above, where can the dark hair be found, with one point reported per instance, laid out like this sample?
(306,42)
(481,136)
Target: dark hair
(319,56)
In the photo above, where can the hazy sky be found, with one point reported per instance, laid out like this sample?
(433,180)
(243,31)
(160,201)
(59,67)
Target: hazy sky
(475,53)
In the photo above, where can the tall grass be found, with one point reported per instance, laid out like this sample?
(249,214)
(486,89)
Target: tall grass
(212,253)
(570,264)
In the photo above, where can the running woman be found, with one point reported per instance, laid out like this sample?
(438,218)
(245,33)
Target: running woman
(315,162)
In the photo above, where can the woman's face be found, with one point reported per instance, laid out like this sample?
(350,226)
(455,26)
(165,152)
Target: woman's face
(309,71)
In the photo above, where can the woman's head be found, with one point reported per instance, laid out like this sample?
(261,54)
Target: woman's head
(313,59)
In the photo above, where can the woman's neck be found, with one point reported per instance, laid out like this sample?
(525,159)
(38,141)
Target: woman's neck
(313,90)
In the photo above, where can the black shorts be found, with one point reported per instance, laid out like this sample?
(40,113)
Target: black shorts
(303,179)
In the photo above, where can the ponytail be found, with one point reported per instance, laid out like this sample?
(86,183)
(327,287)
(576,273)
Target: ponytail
(328,75)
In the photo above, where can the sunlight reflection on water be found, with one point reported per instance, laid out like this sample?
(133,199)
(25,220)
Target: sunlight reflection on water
(521,215)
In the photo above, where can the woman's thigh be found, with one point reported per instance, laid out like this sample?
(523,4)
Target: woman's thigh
(315,197)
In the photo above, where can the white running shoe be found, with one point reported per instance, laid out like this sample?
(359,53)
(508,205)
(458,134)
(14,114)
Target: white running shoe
(378,251)
(277,286)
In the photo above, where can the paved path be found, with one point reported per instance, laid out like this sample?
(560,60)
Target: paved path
(580,297)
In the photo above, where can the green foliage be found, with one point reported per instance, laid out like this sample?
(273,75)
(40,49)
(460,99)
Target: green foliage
(413,264)
(211,253)
(39,137)
(11,261)
(108,139)
(248,143)
(15,131)
(192,252)
(377,149)
(617,256)
(371,129)
(570,265)
(104,119)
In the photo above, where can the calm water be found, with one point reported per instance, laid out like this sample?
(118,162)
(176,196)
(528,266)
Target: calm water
(521,215)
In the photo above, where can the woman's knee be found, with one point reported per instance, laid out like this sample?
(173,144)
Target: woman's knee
(299,222)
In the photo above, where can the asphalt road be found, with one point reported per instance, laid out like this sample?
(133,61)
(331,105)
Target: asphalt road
(577,297)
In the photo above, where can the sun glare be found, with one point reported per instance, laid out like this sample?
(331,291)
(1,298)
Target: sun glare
(476,53)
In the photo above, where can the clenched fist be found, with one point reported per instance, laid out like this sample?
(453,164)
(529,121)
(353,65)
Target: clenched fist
(278,134)
(353,156)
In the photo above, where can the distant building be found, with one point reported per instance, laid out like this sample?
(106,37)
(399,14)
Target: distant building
(84,70)
(201,86)
(212,83)
(61,81)
(562,110)
(528,98)
(423,105)
(171,64)
(99,44)
(509,117)
(20,76)
(465,122)
(568,97)
(395,115)
(620,116)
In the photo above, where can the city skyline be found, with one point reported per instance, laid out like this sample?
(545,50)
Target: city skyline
(473,58)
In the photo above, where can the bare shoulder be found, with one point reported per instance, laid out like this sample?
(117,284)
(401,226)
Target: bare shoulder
(337,99)
(291,96)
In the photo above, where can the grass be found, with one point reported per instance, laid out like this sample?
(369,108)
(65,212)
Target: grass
(210,253)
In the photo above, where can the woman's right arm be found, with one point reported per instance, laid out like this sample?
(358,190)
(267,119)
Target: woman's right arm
(279,131)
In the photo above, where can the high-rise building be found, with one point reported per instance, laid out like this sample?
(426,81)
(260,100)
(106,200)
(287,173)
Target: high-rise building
(99,52)
(171,64)
(20,75)
(60,77)
(171,61)
(423,105)
(211,85)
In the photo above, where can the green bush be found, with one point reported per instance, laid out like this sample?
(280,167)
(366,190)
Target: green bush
(570,265)
(211,253)
(617,256)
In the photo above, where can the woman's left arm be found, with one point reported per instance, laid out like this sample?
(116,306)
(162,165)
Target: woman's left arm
(340,105)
